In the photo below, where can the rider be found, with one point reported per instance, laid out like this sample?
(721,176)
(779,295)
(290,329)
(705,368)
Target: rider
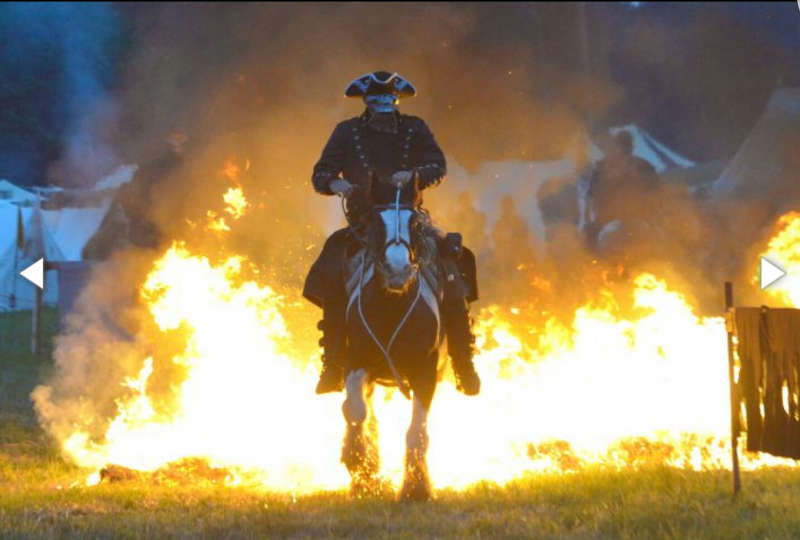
(392,145)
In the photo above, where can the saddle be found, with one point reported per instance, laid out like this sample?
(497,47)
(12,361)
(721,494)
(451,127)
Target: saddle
(454,265)
(451,248)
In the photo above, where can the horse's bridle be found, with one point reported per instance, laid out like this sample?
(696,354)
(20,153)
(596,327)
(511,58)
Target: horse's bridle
(386,350)
(397,207)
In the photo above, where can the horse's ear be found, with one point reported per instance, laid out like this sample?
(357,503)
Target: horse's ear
(417,183)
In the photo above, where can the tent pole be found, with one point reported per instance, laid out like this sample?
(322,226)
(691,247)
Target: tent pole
(729,311)
(36,322)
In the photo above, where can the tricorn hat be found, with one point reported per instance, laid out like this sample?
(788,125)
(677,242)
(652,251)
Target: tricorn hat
(380,82)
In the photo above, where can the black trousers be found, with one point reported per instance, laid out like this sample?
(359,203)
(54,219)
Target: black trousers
(325,282)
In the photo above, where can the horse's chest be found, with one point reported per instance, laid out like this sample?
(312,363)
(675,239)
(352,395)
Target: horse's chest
(394,323)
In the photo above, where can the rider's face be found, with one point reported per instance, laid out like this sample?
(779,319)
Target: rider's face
(381,103)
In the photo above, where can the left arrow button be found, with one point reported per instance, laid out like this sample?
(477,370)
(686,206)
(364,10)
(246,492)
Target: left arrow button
(35,273)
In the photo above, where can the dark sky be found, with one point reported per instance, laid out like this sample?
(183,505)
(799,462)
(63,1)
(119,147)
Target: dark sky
(696,75)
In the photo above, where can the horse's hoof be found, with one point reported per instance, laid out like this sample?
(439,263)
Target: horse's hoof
(365,485)
(354,450)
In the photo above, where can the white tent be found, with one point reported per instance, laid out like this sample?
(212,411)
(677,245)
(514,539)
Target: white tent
(57,235)
(71,228)
(11,193)
(15,291)
(121,175)
(767,165)
(651,150)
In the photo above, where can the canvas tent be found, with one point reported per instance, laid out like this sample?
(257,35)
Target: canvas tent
(57,235)
(11,193)
(651,150)
(766,168)
(58,232)
(122,175)
(15,291)
(563,199)
(71,228)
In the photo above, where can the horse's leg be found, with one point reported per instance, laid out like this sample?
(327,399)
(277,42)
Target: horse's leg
(355,448)
(416,484)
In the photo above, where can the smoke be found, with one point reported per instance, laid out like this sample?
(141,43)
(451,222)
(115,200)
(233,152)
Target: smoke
(248,94)
(63,60)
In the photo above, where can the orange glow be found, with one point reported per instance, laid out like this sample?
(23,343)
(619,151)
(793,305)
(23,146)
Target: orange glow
(605,388)
(231,170)
(236,203)
(784,249)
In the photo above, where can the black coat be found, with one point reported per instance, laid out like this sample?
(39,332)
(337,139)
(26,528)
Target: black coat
(354,149)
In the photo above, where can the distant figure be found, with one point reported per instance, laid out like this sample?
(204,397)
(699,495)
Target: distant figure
(617,192)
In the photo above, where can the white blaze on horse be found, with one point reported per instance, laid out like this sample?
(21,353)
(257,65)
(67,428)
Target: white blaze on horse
(394,332)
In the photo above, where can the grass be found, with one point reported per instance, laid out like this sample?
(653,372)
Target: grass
(42,496)
(659,503)
(15,331)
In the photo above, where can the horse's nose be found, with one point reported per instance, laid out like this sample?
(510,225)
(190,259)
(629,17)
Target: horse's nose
(398,258)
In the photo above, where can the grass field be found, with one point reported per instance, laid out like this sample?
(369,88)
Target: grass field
(43,496)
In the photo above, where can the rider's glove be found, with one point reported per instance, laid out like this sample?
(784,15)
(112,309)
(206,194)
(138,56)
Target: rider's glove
(341,186)
(401,178)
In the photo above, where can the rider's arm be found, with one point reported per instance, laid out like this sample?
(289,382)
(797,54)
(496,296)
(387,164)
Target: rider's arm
(331,162)
(432,167)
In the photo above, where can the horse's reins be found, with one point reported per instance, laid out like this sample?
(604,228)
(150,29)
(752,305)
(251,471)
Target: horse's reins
(397,216)
(401,384)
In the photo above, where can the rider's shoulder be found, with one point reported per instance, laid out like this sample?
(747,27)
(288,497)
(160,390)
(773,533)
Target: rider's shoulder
(348,124)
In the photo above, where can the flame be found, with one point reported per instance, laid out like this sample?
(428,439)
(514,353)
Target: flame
(610,387)
(236,202)
(216,222)
(236,205)
(231,170)
(782,248)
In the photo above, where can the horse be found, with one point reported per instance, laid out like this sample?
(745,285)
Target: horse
(394,331)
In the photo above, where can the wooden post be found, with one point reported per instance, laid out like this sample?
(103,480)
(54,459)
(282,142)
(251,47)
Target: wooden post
(737,484)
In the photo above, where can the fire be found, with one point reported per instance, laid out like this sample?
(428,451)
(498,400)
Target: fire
(782,248)
(235,206)
(231,170)
(611,387)
(236,202)
(243,403)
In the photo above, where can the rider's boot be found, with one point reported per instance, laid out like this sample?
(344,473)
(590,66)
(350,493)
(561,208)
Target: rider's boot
(331,379)
(461,345)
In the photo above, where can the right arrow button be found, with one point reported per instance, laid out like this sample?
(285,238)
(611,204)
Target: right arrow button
(770,273)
